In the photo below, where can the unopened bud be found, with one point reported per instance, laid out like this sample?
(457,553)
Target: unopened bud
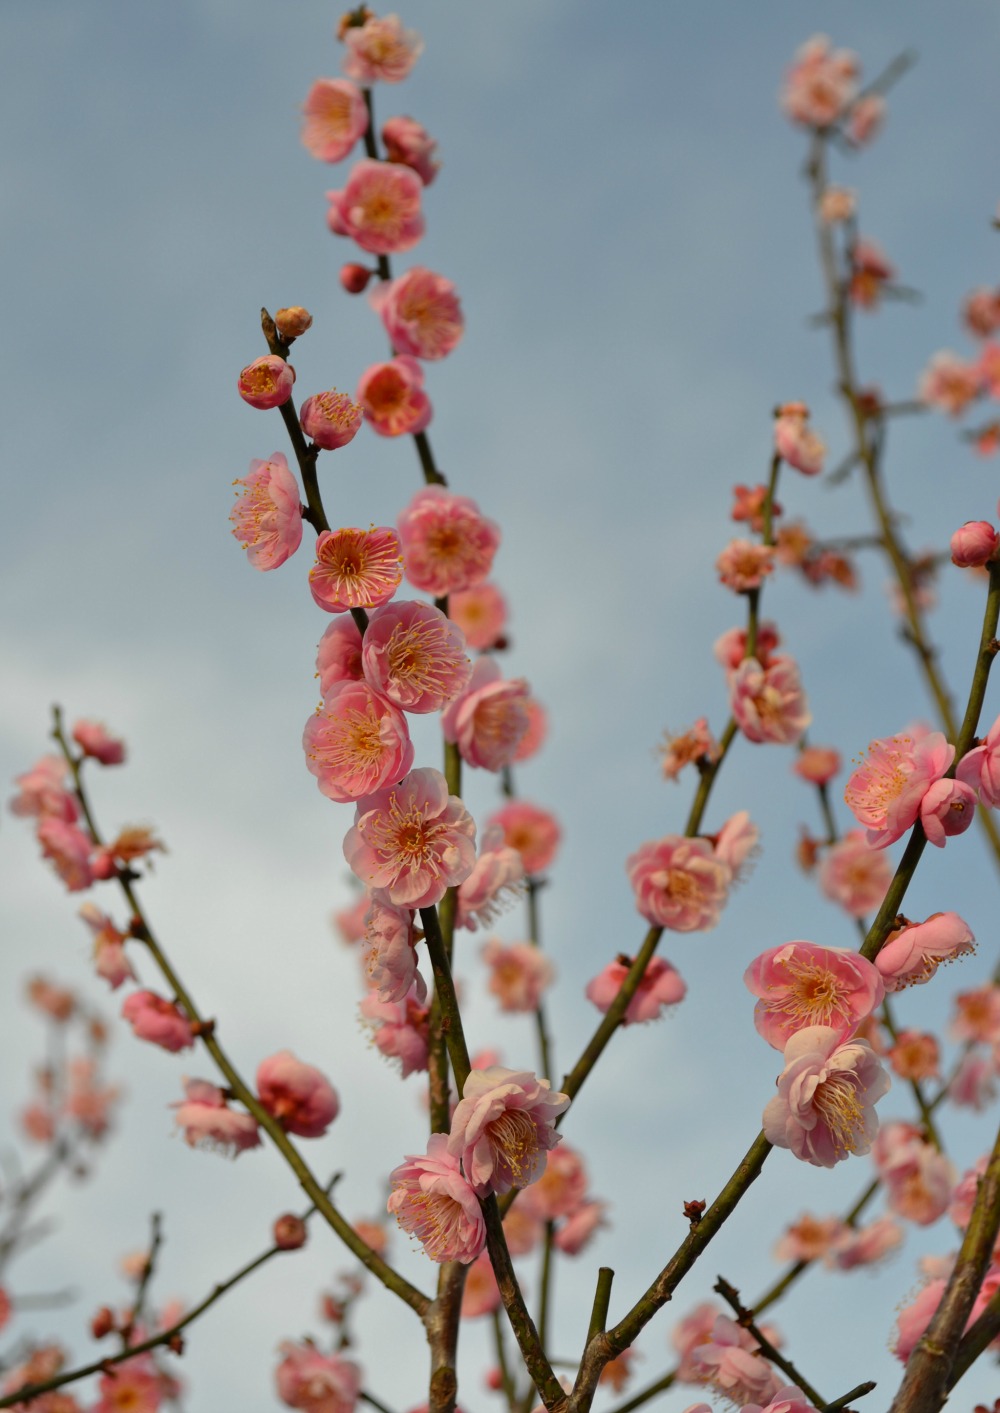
(292,322)
(289,1232)
(102,1323)
(354,278)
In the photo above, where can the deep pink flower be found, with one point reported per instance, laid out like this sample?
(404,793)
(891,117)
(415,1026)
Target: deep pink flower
(93,739)
(380,49)
(744,565)
(496,880)
(432,1201)
(334,117)
(158,1020)
(825,1106)
(338,657)
(67,848)
(330,418)
(379,208)
(949,383)
(409,142)
(661,986)
(886,790)
(748,506)
(481,613)
(267,516)
(768,702)
(795,441)
(43,793)
(489,718)
(820,84)
(817,764)
(575,1233)
(316,1382)
(532,831)
(912,954)
(354,278)
(448,544)
(503,1126)
(730,648)
(356,568)
(208,1122)
(266,382)
(299,1096)
(854,874)
(421,313)
(679,883)
(725,1362)
(393,399)
(974,544)
(389,954)
(415,656)
(980,767)
(802,986)
(519,974)
(356,742)
(947,807)
(399,1029)
(413,840)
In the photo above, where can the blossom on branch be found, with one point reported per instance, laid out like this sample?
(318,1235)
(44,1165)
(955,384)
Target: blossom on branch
(356,568)
(421,313)
(679,883)
(267,516)
(801,985)
(503,1126)
(825,1106)
(380,49)
(379,208)
(432,1201)
(334,117)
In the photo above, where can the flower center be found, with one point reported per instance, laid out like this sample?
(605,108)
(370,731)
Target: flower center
(514,1140)
(836,1101)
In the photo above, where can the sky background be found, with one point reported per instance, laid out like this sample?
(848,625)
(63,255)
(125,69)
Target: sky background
(621,208)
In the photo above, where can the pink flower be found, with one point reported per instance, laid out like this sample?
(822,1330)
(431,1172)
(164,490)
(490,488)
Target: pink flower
(915,1317)
(966,1191)
(447,542)
(519,974)
(974,544)
(350,922)
(535,736)
(948,807)
(915,1055)
(379,208)
(736,844)
(110,960)
(421,313)
(802,986)
(42,791)
(157,1020)
(817,764)
(393,398)
(495,881)
(88,1102)
(356,568)
(825,1106)
(679,883)
(870,270)
(407,141)
(661,986)
(381,49)
(354,278)
(481,1295)
(561,1189)
(885,792)
(768,702)
(854,874)
(987,367)
(865,1245)
(330,418)
(502,1128)
(413,840)
(580,1226)
(481,613)
(744,565)
(135,1386)
(488,719)
(696,746)
(809,1239)
(724,1361)
(918,1179)
(978,1015)
(389,955)
(93,739)
(338,657)
(533,832)
(948,383)
(980,767)
(208,1122)
(68,850)
(399,1029)
(299,1096)
(335,116)
(731,648)
(973,1085)
(356,742)
(415,656)
(821,83)
(749,503)
(266,382)
(795,441)
(267,516)
(912,954)
(315,1382)
(432,1201)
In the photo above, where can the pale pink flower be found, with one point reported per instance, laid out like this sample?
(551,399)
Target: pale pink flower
(399,1029)
(532,831)
(421,313)
(809,1238)
(866,118)
(488,718)
(267,516)
(42,791)
(519,974)
(334,117)
(208,1122)
(389,955)
(918,1179)
(93,739)
(885,792)
(864,1246)
(978,1015)
(338,657)
(299,1096)
(731,648)
(795,441)
(316,1382)
(736,844)
(409,142)
(661,986)
(447,542)
(158,1020)
(535,736)
(576,1232)
(134,1386)
(768,702)
(981,312)
(973,1085)
(379,208)
(787,1399)
(356,742)
(110,961)
(693,1330)
(481,1295)
(356,568)
(679,883)
(739,1374)
(413,840)
(980,767)
(820,84)
(561,1189)
(481,613)
(266,382)
(415,656)
(350,922)
(915,1055)
(744,565)
(380,49)
(825,1106)
(802,986)
(947,808)
(912,953)
(432,1201)
(393,399)
(854,874)
(949,383)
(696,746)
(503,1126)
(870,271)
(974,544)
(67,848)
(495,881)
(330,418)
(817,764)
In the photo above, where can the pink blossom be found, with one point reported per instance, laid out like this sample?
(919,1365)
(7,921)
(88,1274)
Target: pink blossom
(918,1179)
(802,986)
(974,544)
(502,1128)
(157,1020)
(866,118)
(93,739)
(432,1201)
(495,881)
(948,383)
(915,1055)
(267,516)
(338,658)
(356,568)
(532,831)
(415,656)
(110,960)
(679,883)
(413,840)
(409,142)
(393,398)
(661,986)
(973,1085)
(389,955)
(334,117)
(817,764)
(208,1122)
(980,767)
(315,1382)
(354,278)
(535,736)
(399,1029)
(768,702)
(820,84)
(914,1318)
(481,613)
(57,1002)
(825,1106)
(266,382)
(562,1188)
(870,270)
(356,742)
(864,1246)
(380,49)
(736,844)
(576,1232)
(854,874)
(809,1238)
(379,208)
(744,565)
(724,1361)
(421,313)
(350,922)
(795,441)
(488,718)
(88,1102)
(978,1015)
(135,1385)
(749,503)
(42,791)
(519,974)
(731,648)
(481,1295)
(913,952)
(330,418)
(947,808)
(981,312)
(696,746)
(966,1191)
(447,542)
(693,1330)
(68,850)
(885,792)
(299,1096)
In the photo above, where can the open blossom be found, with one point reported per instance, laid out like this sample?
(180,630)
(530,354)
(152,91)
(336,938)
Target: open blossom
(912,953)
(980,767)
(409,142)
(977,1015)
(503,1126)
(432,1201)
(864,1246)
(817,764)
(749,503)
(95,741)
(825,1106)
(768,702)
(519,974)
(870,270)
(974,1083)
(315,1382)
(158,1020)
(389,955)
(854,874)
(448,543)
(679,883)
(532,831)
(267,516)
(576,1232)
(537,733)
(661,986)
(918,1179)
(135,1385)
(421,313)
(696,746)
(795,441)
(809,1238)
(356,568)
(399,1029)
(947,808)
(886,790)
(68,849)
(380,49)
(414,656)
(561,1189)
(88,1102)
(379,208)
(801,986)
(338,657)
(820,84)
(730,648)
(393,399)
(724,1361)
(299,1096)
(334,117)
(356,742)
(488,719)
(413,840)
(330,418)
(481,613)
(916,1055)
(949,383)
(744,565)
(266,382)
(42,791)
(208,1122)
(495,881)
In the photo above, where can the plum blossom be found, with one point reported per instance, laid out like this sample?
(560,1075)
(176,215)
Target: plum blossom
(980,767)
(356,568)
(538,729)
(266,382)
(68,850)
(730,648)
(354,278)
(768,702)
(864,1246)
(801,986)
(94,740)
(379,208)
(380,49)
(978,1015)
(821,83)
(736,844)
(825,1106)
(974,1083)
(421,313)
(481,613)
(738,1373)
(488,718)
(809,1238)
(532,831)
(158,1020)
(503,1126)
(744,565)
(947,808)
(267,516)
(912,953)
(409,142)
(838,203)
(135,1385)
(576,1232)
(918,1179)
(981,312)
(915,1055)
(415,656)
(316,1382)
(292,321)
(886,790)
(495,881)
(432,1201)
(208,1122)
(399,1029)
(974,544)
(854,874)
(696,746)
(562,1188)
(949,383)
(795,441)
(356,742)
(519,974)
(749,503)
(389,955)
(338,657)
(817,764)
(334,117)
(447,542)
(866,118)
(661,986)
(110,961)
(392,397)
(42,791)
(679,883)
(299,1096)
(330,418)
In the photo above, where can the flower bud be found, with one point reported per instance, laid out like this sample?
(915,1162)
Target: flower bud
(289,1232)
(974,544)
(266,382)
(354,278)
(102,1323)
(292,322)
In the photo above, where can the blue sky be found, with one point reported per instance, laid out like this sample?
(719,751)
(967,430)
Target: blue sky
(621,208)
